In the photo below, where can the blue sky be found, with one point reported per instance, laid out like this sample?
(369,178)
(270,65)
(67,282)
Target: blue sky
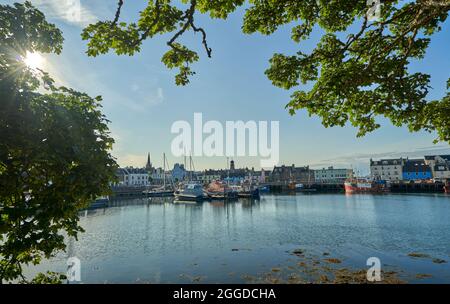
(142,100)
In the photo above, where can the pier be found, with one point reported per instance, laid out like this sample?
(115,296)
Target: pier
(401,187)
(308,187)
(122,191)
(417,187)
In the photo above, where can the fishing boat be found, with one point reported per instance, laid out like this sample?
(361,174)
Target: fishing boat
(236,188)
(447,187)
(248,190)
(159,192)
(364,185)
(302,188)
(220,190)
(190,192)
(299,187)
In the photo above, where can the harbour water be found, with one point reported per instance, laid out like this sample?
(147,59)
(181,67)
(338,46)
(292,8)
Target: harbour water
(158,241)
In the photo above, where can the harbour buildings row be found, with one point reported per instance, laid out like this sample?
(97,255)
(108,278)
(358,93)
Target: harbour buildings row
(436,167)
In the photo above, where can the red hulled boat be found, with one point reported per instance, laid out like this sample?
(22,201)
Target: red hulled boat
(361,185)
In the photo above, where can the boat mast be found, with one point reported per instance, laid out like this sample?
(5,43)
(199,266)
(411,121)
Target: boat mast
(164,169)
(228,168)
(309,177)
(185,165)
(190,166)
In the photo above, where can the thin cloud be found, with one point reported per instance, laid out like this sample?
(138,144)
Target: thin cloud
(135,87)
(362,159)
(159,96)
(70,11)
(150,100)
(135,160)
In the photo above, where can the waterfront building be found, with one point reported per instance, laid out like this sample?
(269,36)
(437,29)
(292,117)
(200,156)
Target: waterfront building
(416,169)
(263,176)
(332,175)
(234,179)
(157,176)
(440,166)
(244,175)
(387,169)
(179,172)
(209,176)
(292,174)
(441,172)
(131,177)
(232,175)
(255,177)
(120,175)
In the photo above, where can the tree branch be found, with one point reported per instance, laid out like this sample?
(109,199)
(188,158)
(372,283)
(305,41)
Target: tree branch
(155,21)
(205,43)
(189,17)
(116,18)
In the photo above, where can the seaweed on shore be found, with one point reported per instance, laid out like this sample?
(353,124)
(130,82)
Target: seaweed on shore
(309,270)
(423,276)
(333,261)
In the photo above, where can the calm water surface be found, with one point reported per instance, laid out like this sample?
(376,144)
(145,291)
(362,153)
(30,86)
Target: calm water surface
(164,242)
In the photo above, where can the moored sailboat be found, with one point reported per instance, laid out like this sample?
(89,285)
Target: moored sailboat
(163,191)
(190,190)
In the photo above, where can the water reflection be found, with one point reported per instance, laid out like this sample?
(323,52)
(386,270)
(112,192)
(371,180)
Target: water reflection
(157,239)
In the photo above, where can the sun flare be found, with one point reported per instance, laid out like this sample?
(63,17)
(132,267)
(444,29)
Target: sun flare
(34,60)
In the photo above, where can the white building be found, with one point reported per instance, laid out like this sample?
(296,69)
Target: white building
(131,177)
(440,166)
(387,169)
(263,177)
(157,176)
(255,177)
(332,175)
(209,176)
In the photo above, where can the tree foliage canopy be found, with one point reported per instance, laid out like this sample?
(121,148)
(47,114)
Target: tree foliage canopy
(54,147)
(356,75)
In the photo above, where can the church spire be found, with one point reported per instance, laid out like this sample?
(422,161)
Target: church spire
(148,166)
